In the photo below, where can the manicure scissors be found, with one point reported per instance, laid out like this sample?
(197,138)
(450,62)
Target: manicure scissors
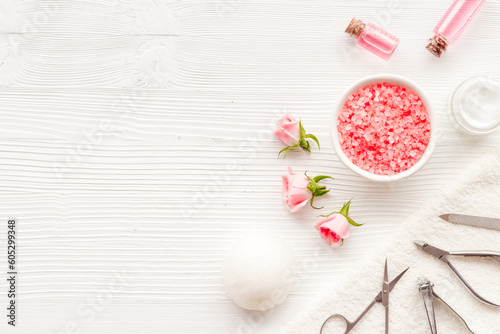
(442,255)
(382,297)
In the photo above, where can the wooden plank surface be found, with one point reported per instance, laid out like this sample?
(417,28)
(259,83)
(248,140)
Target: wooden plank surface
(136,146)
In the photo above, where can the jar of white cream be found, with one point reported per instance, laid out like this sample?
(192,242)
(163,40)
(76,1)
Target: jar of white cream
(474,106)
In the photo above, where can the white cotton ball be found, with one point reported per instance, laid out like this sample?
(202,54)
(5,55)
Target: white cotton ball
(259,271)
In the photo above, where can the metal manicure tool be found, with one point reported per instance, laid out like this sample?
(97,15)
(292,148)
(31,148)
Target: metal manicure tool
(426,289)
(382,297)
(491,223)
(442,255)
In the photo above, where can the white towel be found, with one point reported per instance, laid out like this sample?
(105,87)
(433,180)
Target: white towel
(476,192)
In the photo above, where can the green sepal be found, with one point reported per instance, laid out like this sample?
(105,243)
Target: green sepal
(345,212)
(305,145)
(315,189)
(353,223)
(313,137)
(345,209)
(302,130)
(302,142)
(322,177)
(312,200)
(321,192)
(289,148)
(313,186)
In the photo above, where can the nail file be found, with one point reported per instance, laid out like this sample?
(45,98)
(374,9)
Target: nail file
(491,223)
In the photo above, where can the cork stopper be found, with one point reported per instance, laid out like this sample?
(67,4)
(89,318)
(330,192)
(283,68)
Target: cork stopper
(437,46)
(355,28)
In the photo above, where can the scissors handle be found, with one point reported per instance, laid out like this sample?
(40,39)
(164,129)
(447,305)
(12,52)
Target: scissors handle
(348,325)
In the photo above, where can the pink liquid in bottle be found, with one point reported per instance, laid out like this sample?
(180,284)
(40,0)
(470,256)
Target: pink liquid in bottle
(373,38)
(378,41)
(452,24)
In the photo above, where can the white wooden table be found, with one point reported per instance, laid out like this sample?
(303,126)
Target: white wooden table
(135,147)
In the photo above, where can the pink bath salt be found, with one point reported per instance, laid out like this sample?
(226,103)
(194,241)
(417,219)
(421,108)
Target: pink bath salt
(384,128)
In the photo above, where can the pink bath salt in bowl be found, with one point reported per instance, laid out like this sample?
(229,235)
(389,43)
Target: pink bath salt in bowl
(384,128)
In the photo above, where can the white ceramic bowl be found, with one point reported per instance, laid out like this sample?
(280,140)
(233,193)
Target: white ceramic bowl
(391,79)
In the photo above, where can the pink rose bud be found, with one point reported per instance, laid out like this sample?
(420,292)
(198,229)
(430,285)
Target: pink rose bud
(291,132)
(298,189)
(288,130)
(295,193)
(335,227)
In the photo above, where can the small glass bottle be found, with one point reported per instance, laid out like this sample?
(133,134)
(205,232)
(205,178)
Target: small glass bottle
(373,38)
(452,24)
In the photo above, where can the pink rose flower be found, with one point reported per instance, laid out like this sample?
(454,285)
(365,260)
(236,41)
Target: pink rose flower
(295,193)
(291,132)
(288,130)
(298,189)
(335,227)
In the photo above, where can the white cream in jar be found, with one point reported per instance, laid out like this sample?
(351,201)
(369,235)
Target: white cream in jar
(474,106)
